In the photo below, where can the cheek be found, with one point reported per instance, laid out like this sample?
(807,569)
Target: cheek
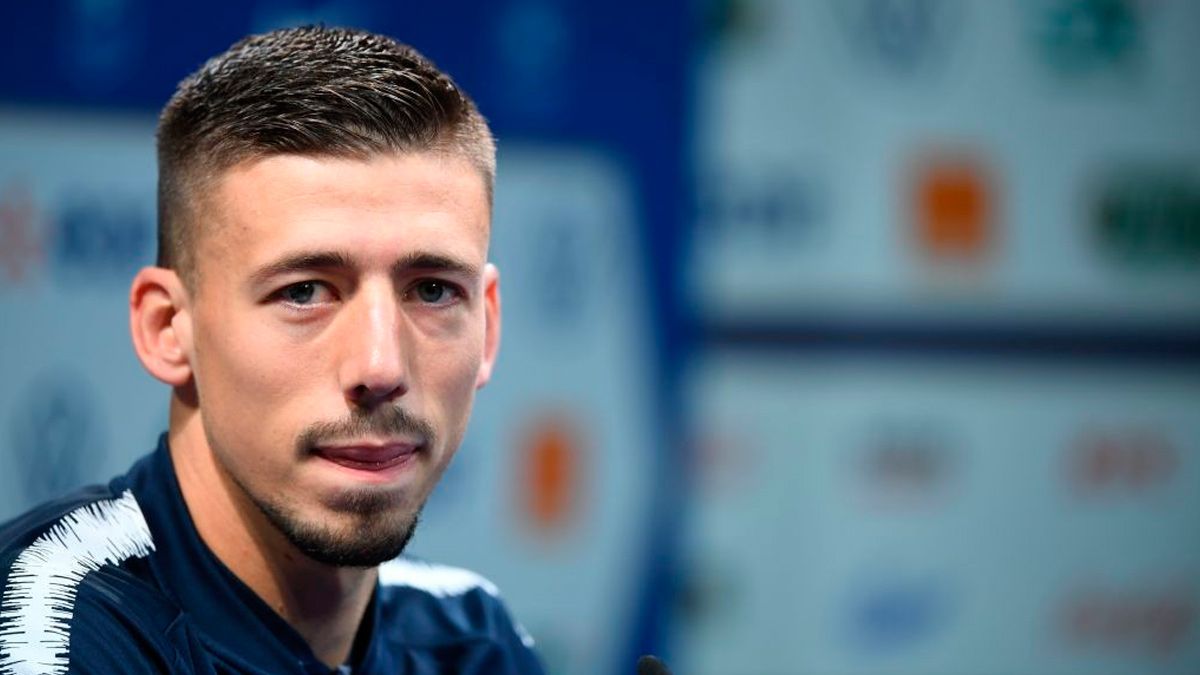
(456,365)
(446,377)
(246,381)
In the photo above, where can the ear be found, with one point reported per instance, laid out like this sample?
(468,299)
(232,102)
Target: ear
(491,317)
(161,323)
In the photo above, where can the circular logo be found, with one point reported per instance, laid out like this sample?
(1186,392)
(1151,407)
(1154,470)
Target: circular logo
(552,462)
(900,35)
(57,437)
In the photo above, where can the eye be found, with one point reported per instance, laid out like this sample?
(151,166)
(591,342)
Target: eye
(434,292)
(305,293)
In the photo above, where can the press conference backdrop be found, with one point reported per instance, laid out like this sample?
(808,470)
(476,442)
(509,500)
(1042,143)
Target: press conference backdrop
(841,336)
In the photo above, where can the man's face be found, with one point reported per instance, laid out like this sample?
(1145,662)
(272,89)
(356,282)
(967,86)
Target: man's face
(343,318)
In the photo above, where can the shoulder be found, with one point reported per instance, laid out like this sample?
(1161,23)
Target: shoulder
(442,581)
(23,529)
(70,582)
(429,606)
(440,602)
(64,540)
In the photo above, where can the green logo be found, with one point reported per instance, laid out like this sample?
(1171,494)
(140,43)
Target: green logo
(1078,38)
(1150,220)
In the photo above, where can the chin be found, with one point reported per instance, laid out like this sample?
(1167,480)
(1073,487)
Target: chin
(365,502)
(360,549)
(364,528)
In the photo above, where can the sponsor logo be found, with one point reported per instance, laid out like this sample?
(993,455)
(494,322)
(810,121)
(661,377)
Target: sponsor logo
(99,236)
(953,205)
(1130,460)
(723,463)
(900,35)
(21,249)
(1156,621)
(552,449)
(898,614)
(1082,38)
(907,463)
(562,293)
(57,437)
(87,237)
(1148,220)
(769,210)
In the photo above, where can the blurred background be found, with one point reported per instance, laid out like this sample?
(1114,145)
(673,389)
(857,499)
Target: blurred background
(841,336)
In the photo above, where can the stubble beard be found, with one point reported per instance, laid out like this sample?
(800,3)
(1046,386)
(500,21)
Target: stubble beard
(374,525)
(377,533)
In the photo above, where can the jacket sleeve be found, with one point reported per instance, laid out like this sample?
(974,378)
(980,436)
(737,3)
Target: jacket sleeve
(117,627)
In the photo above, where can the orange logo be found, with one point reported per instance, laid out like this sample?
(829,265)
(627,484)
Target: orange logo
(954,208)
(1132,459)
(552,472)
(20,249)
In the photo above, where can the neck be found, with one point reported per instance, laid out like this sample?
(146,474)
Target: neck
(323,603)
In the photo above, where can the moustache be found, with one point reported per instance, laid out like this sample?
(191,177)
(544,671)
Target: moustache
(385,422)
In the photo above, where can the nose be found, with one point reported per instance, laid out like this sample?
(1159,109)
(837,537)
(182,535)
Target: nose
(373,369)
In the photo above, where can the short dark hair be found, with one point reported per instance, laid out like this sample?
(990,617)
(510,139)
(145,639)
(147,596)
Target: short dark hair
(313,91)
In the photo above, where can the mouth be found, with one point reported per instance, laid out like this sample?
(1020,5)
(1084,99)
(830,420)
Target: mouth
(373,458)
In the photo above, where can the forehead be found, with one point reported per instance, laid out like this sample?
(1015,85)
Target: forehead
(376,209)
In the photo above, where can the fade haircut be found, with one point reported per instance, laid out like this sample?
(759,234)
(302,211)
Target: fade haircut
(314,91)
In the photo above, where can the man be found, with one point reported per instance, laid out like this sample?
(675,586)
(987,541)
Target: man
(323,311)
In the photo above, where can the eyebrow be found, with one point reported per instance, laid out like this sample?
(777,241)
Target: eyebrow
(301,262)
(435,262)
(330,260)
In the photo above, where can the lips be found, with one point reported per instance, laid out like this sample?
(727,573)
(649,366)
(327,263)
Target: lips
(369,457)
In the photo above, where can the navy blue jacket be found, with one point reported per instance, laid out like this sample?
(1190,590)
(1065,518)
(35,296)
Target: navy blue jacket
(116,579)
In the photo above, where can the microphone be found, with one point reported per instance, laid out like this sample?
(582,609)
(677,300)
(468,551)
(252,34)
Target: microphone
(651,665)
